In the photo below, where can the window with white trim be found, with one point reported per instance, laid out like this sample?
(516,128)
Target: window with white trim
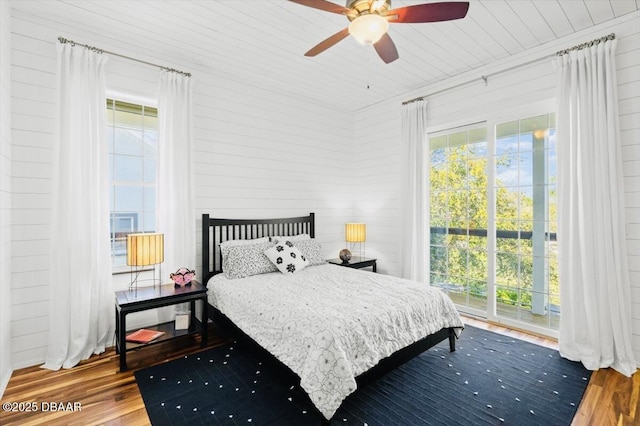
(132,138)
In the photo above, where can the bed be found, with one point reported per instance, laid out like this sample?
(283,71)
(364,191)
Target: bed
(336,328)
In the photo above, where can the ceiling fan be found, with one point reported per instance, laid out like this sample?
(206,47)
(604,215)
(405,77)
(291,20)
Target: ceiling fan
(370,21)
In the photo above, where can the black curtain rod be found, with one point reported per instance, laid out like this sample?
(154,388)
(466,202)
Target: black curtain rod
(97,50)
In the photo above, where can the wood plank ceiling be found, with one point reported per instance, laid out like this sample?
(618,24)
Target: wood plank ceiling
(263,41)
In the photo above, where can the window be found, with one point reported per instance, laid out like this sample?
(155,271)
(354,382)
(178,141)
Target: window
(132,138)
(493,220)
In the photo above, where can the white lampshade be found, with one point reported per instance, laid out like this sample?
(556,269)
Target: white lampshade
(368,29)
(355,232)
(145,249)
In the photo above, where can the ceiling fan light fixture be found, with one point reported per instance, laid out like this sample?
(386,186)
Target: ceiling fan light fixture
(368,29)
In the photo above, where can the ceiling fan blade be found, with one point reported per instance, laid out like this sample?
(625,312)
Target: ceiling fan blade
(430,12)
(386,49)
(324,45)
(327,6)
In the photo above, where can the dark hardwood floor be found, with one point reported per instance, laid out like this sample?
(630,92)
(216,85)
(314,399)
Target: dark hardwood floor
(108,397)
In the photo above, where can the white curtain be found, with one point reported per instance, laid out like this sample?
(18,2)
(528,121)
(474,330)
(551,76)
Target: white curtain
(81,296)
(175,204)
(414,232)
(595,324)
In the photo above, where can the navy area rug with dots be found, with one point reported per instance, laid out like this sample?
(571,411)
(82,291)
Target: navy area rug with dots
(491,379)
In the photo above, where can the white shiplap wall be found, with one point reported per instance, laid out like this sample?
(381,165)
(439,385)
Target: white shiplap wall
(5,194)
(258,153)
(378,136)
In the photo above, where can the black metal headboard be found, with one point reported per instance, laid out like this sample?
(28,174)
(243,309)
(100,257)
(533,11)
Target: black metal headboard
(215,231)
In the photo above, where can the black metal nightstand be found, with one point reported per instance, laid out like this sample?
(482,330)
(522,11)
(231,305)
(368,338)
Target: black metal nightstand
(356,262)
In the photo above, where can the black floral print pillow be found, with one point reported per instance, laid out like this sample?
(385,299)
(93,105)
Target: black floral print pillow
(286,257)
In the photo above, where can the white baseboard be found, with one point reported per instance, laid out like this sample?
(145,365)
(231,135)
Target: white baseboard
(5,382)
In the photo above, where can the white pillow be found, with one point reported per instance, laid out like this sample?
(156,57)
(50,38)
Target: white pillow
(234,243)
(311,250)
(244,260)
(286,257)
(299,237)
(225,246)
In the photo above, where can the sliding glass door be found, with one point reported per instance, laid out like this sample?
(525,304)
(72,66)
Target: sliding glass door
(458,213)
(492,220)
(526,279)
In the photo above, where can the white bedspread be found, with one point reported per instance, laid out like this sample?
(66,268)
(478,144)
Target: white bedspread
(329,323)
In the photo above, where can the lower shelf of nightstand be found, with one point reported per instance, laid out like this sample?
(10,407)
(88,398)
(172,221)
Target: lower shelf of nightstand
(169,330)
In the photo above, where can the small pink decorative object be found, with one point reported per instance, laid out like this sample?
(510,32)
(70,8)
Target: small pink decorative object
(182,277)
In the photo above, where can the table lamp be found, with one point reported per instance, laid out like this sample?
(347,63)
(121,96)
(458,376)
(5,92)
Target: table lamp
(144,250)
(356,234)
